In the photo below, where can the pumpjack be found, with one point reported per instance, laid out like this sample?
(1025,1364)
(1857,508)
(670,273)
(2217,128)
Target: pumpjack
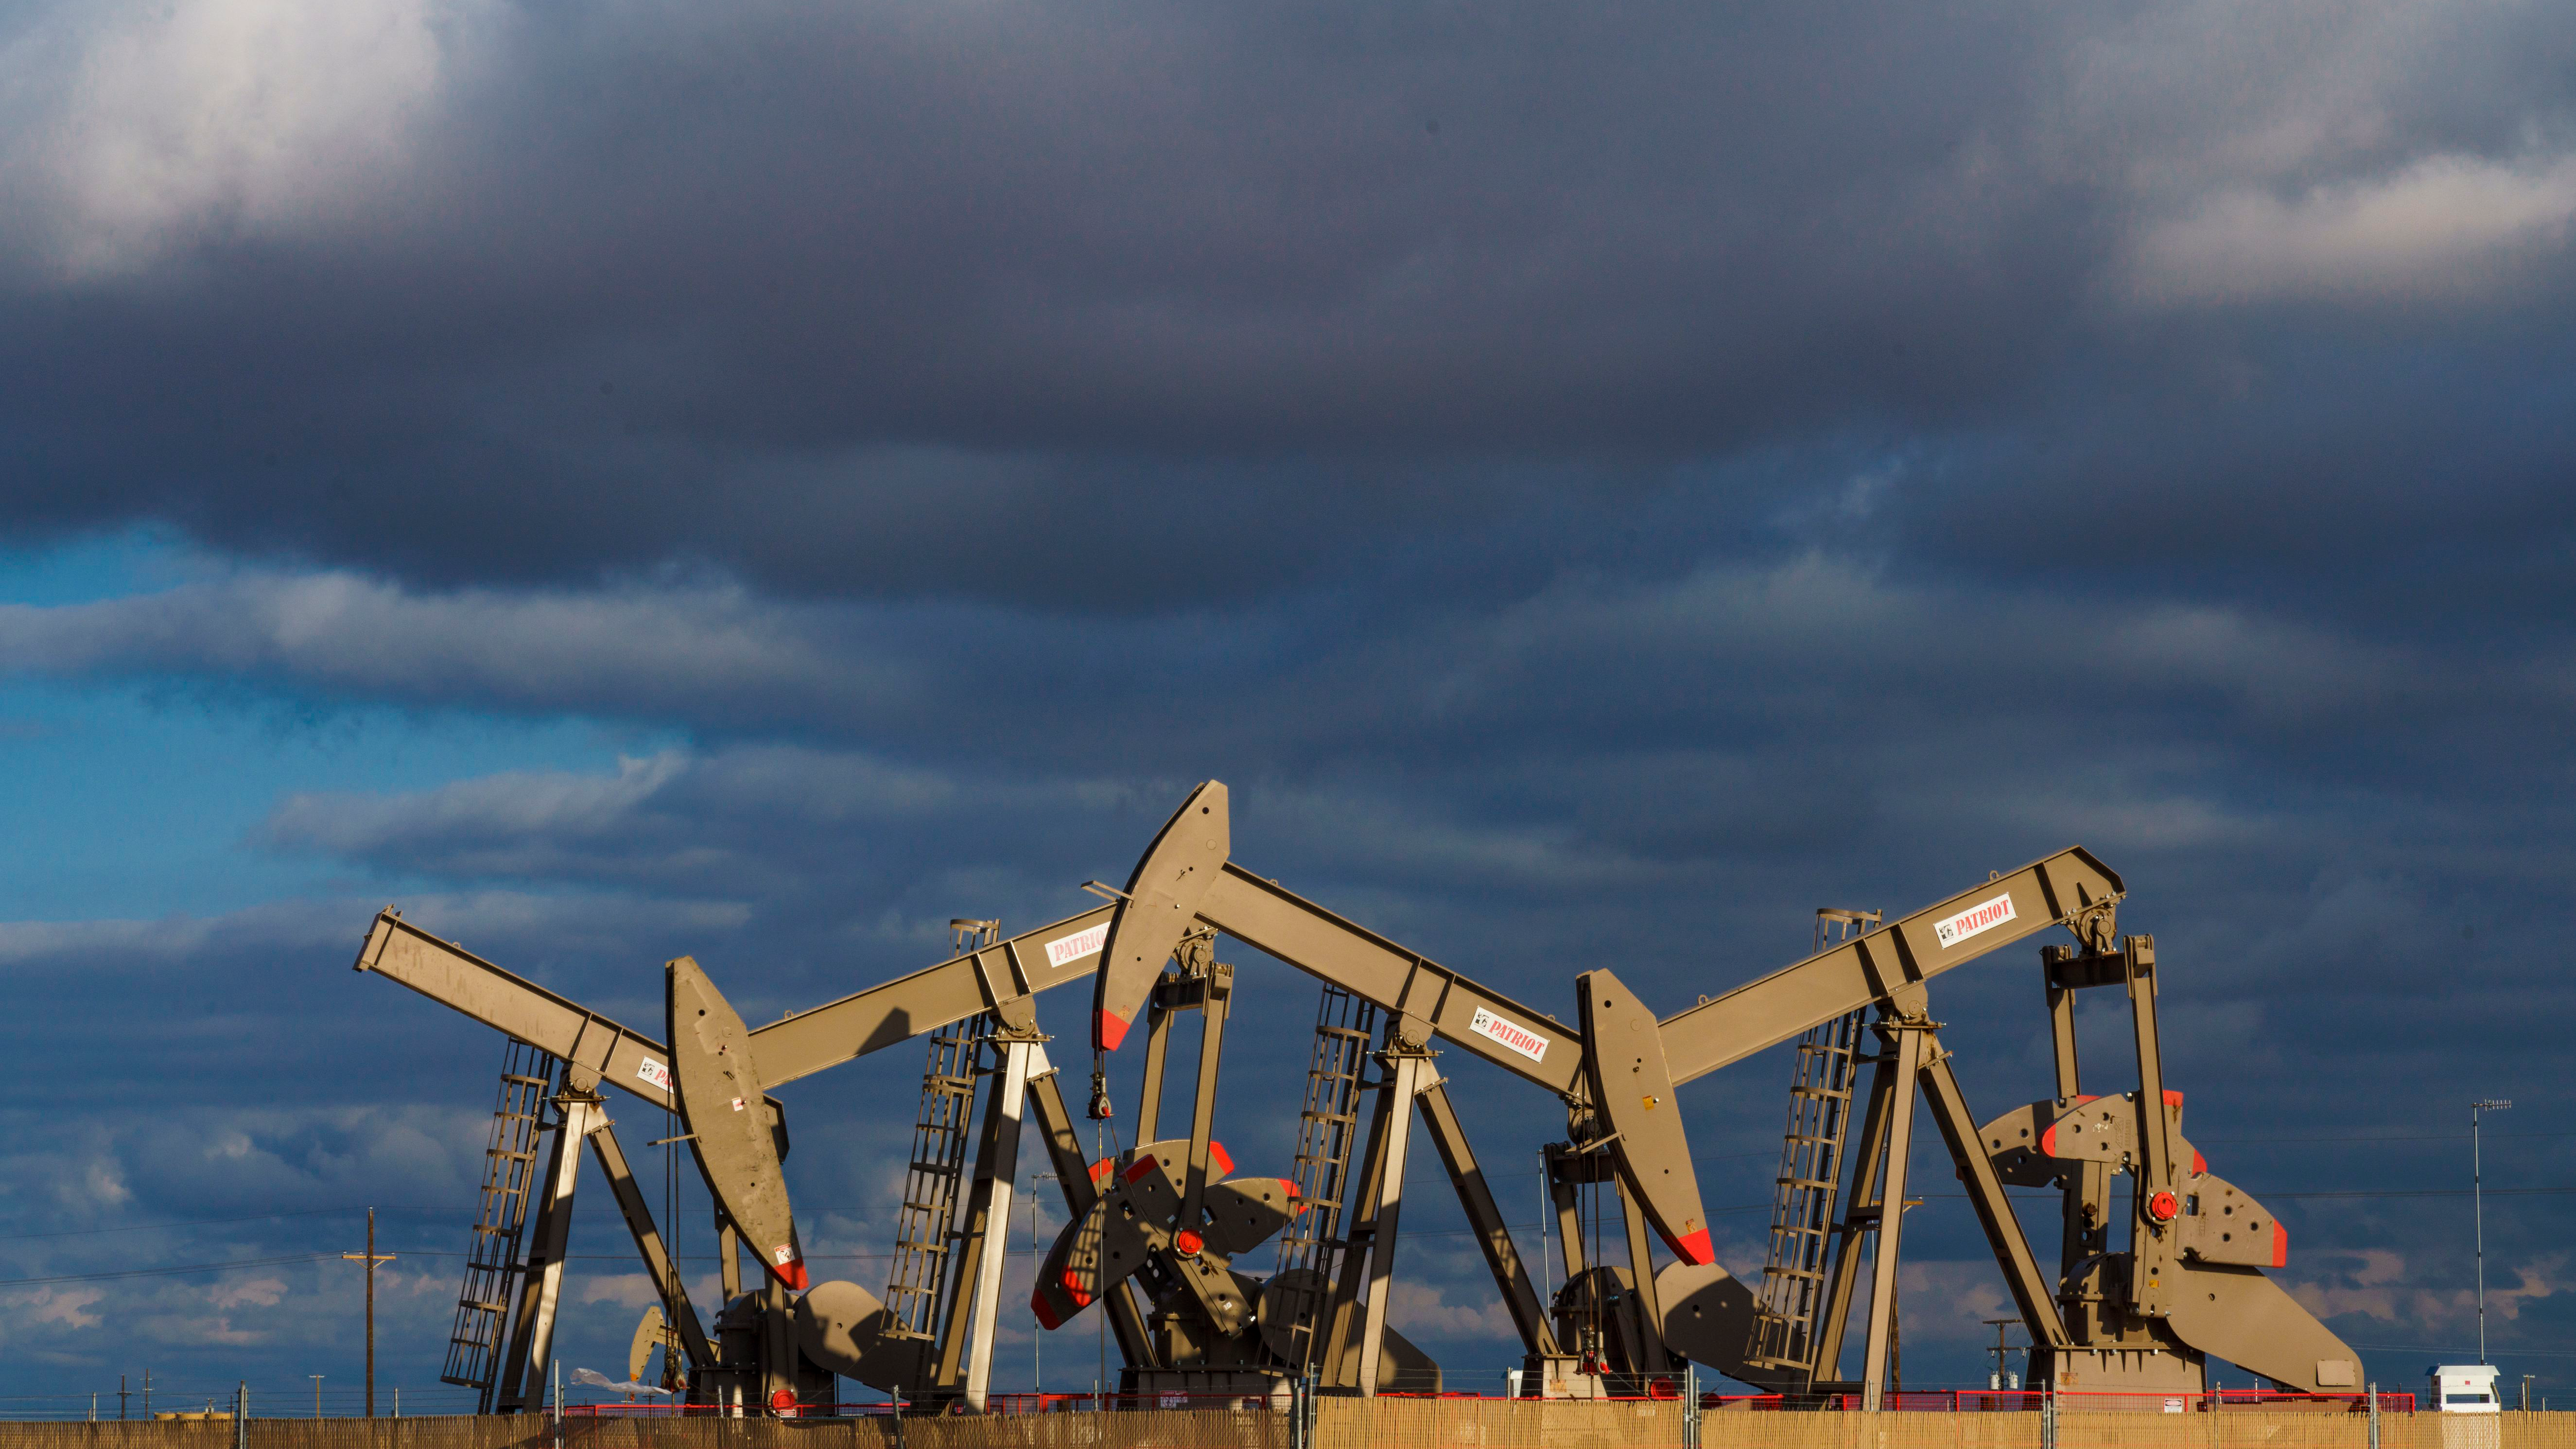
(1157,1236)
(770,1352)
(2144,1315)
(2188,1286)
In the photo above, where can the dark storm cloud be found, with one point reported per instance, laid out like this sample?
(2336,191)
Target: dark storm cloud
(1597,487)
(1057,308)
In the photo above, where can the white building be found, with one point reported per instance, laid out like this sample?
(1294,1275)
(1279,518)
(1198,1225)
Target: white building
(2464,1388)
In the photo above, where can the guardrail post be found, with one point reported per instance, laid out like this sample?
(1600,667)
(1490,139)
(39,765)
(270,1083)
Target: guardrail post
(2374,1416)
(2048,1419)
(1690,1406)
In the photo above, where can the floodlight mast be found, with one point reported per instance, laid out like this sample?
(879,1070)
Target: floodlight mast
(2478,1205)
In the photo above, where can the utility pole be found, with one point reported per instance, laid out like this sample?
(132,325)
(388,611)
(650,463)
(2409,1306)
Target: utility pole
(317,1396)
(2002,1350)
(371,1257)
(120,1398)
(2478,1206)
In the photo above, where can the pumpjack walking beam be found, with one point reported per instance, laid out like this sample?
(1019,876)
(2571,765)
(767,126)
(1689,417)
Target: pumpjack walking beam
(1052,955)
(1621,1062)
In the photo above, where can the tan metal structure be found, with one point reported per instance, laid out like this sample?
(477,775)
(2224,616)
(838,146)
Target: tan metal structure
(1617,1073)
(738,1137)
(1169,1220)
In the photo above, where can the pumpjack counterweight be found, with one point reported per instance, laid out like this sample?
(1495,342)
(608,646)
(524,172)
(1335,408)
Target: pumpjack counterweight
(493,1263)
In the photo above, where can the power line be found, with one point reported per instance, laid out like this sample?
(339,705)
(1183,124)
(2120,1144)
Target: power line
(166,1272)
(208,1222)
(2500,1350)
(2412,1137)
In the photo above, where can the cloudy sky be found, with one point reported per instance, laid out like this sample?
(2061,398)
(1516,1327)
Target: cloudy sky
(625,478)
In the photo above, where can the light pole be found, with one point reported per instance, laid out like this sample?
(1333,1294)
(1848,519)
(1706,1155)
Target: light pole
(1037,1260)
(2478,1205)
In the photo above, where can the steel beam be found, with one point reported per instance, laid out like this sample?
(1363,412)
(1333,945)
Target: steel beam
(1217,996)
(2068,888)
(1485,1219)
(1644,1313)
(1054,1124)
(997,1179)
(1864,1204)
(2032,1292)
(667,1280)
(1407,1069)
(541,1287)
(1905,1044)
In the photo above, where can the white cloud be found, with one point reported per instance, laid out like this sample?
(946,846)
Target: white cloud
(1429,1310)
(2376,1287)
(105,1185)
(65,1306)
(264,1292)
(2445,228)
(640,649)
(626,1290)
(148,127)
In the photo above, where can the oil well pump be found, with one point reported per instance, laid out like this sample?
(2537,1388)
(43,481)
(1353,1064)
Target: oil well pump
(768,1351)
(2150,1284)
(2189,1285)
(1161,1238)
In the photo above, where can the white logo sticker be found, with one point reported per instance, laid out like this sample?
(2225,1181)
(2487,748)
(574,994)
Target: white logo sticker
(1066,950)
(781,1254)
(1520,1039)
(1975,920)
(737,1104)
(653,1073)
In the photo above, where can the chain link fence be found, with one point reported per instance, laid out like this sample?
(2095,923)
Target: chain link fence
(1340,1423)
